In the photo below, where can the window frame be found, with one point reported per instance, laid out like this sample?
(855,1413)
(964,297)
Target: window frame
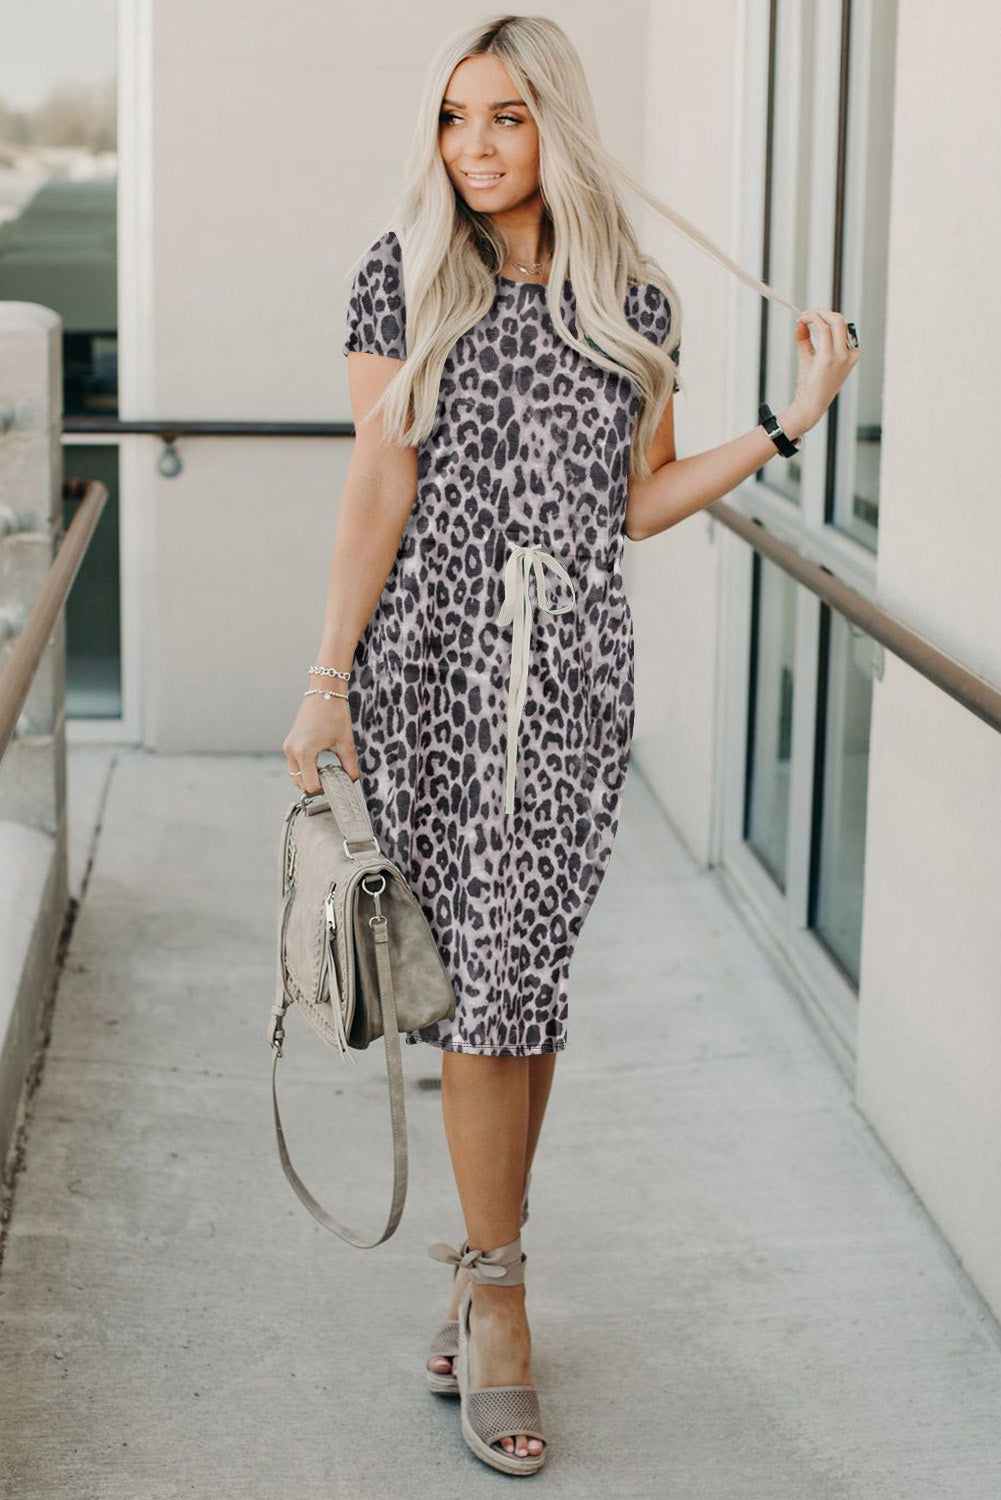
(136,388)
(827,462)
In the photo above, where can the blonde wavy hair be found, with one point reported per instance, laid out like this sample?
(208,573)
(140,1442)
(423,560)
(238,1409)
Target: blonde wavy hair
(450,253)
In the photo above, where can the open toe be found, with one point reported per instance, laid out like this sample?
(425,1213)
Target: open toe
(495,1412)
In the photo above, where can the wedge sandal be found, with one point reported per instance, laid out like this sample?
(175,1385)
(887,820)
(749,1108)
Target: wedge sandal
(496,1411)
(445,1343)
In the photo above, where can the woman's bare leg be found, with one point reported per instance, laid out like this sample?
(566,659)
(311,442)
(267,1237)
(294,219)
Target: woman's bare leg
(540,1075)
(493,1108)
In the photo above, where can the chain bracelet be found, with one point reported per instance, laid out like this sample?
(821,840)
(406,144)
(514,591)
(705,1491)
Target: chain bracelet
(328,672)
(326,692)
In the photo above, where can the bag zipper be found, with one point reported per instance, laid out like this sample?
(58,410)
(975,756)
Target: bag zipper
(332,985)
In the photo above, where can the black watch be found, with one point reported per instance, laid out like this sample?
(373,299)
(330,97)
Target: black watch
(786,445)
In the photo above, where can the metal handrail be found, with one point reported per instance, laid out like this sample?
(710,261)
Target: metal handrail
(933,664)
(168,430)
(19,673)
(944,671)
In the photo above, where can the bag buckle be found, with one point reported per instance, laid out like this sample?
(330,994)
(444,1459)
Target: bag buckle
(375,894)
(276,1029)
(371,839)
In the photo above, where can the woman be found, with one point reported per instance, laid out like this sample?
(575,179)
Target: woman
(512,358)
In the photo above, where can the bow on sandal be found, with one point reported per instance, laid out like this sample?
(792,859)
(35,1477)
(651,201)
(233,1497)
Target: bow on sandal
(445,1343)
(496,1411)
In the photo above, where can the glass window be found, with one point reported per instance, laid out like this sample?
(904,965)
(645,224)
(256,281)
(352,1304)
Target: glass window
(769,740)
(788,166)
(93,608)
(842,781)
(861,260)
(826,230)
(827,163)
(58,178)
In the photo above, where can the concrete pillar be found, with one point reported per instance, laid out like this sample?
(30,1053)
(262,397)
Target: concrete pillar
(33,849)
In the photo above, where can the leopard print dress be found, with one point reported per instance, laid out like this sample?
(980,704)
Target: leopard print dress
(529,449)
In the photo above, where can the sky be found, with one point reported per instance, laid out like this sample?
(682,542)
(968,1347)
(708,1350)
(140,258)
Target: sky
(47,42)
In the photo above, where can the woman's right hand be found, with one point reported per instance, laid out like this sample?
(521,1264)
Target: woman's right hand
(319,724)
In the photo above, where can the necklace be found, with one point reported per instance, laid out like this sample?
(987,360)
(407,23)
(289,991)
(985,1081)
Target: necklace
(532,268)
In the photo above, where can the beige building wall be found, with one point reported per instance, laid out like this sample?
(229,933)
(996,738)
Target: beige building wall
(929,1036)
(278,140)
(673,579)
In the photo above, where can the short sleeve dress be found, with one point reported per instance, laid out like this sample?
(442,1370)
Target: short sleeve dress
(491,692)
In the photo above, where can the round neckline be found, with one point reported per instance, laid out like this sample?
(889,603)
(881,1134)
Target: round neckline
(514,281)
(539,285)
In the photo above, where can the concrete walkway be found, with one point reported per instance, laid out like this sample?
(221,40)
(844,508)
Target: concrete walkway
(732,1291)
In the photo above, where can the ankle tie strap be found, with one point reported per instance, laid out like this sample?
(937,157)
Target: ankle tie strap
(505,1263)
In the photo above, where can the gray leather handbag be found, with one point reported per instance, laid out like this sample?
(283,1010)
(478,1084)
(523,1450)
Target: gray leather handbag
(355,955)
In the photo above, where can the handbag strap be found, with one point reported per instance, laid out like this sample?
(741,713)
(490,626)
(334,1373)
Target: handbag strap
(346,802)
(397,1108)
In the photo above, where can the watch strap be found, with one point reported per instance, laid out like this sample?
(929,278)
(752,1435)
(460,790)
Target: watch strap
(786,445)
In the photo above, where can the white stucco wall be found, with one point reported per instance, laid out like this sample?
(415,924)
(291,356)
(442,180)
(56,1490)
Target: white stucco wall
(672,579)
(279,137)
(929,1032)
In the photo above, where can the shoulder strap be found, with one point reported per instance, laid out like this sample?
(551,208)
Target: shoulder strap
(397,1108)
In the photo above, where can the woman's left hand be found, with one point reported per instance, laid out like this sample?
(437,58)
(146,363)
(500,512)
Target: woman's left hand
(822,370)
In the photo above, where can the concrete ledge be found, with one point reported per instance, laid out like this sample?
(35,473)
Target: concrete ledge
(31,368)
(32,903)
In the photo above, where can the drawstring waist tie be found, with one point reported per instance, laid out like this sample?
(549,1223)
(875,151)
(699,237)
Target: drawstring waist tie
(516,607)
